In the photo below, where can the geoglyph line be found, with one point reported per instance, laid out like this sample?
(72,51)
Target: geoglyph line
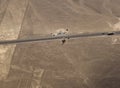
(9,29)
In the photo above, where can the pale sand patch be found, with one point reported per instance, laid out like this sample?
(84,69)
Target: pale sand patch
(9,29)
(115,27)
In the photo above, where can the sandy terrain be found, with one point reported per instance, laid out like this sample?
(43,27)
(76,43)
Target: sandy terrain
(11,19)
(80,63)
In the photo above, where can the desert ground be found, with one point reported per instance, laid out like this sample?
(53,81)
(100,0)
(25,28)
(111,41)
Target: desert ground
(79,63)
